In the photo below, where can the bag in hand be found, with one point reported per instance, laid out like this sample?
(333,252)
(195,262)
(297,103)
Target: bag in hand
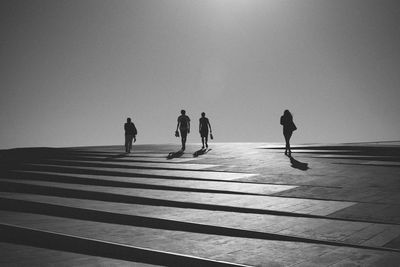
(211,136)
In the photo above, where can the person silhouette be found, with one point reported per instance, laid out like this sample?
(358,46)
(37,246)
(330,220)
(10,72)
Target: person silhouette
(184,127)
(204,124)
(130,134)
(288,128)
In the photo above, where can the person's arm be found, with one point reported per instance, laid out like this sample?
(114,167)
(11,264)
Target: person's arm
(177,126)
(134,132)
(199,125)
(188,125)
(209,125)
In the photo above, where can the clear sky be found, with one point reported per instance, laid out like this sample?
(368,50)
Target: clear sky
(72,71)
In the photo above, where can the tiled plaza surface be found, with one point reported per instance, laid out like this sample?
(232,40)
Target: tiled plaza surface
(239,204)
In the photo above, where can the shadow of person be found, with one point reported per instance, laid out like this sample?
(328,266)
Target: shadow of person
(177,154)
(199,152)
(121,155)
(298,165)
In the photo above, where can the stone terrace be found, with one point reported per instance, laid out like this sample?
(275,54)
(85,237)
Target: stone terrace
(239,204)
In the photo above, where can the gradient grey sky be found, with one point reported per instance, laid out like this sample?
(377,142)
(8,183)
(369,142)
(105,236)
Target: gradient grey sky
(72,71)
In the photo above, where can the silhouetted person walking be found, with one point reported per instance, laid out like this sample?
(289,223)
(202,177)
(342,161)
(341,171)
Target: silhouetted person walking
(184,127)
(288,128)
(130,134)
(204,124)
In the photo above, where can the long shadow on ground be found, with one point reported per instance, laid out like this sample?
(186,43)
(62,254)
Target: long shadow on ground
(359,152)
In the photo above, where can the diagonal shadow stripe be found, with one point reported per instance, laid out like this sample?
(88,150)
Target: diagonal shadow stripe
(111,183)
(6,186)
(57,241)
(66,170)
(157,223)
(120,166)
(17,187)
(366,164)
(131,160)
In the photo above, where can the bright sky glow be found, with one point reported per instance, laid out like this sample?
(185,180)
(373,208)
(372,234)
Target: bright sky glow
(72,71)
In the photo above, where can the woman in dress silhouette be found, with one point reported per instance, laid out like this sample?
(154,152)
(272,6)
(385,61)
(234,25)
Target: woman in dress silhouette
(288,128)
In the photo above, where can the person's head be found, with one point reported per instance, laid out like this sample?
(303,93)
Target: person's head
(128,120)
(183,112)
(203,114)
(287,113)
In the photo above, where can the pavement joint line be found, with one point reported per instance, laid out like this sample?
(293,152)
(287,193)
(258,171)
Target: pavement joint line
(100,247)
(102,196)
(206,229)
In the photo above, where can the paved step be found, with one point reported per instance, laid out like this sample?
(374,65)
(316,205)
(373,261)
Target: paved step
(215,247)
(153,183)
(258,226)
(28,255)
(190,174)
(133,164)
(190,199)
(144,200)
(90,246)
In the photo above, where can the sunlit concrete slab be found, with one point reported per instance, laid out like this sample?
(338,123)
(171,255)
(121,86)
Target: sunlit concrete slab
(301,206)
(318,151)
(350,232)
(227,186)
(363,157)
(36,256)
(226,248)
(209,175)
(136,158)
(383,163)
(133,164)
(383,195)
(349,200)
(160,159)
(388,213)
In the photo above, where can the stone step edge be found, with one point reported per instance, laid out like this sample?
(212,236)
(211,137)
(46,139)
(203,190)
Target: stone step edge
(21,187)
(123,219)
(89,246)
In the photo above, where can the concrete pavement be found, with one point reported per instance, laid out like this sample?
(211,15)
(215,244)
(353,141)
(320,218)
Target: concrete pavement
(239,204)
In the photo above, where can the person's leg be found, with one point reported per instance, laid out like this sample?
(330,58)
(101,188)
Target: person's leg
(183,143)
(130,143)
(183,139)
(202,141)
(206,139)
(126,143)
(287,139)
(290,150)
(287,146)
